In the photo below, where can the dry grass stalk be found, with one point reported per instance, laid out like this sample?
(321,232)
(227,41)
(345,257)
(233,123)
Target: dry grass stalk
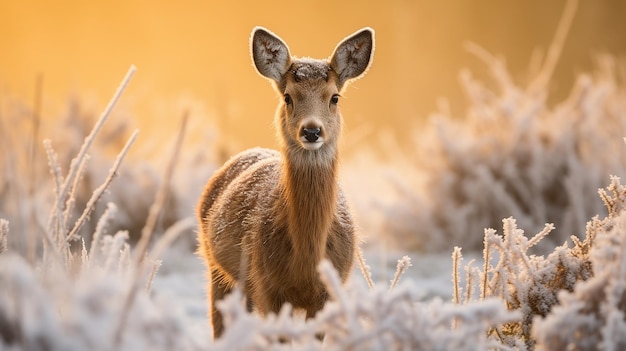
(97,194)
(470,277)
(403,264)
(55,170)
(4,233)
(365,269)
(73,172)
(457,259)
(147,232)
(156,264)
(73,194)
(110,211)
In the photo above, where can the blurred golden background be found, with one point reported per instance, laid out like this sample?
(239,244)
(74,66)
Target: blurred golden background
(194,54)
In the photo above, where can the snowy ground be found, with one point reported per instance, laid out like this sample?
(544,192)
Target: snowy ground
(181,280)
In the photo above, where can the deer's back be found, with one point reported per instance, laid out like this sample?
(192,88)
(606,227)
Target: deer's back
(225,175)
(232,203)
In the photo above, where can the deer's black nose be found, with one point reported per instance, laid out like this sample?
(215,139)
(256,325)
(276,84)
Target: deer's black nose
(311,134)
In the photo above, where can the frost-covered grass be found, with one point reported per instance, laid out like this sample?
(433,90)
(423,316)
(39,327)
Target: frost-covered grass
(71,277)
(570,299)
(96,297)
(25,181)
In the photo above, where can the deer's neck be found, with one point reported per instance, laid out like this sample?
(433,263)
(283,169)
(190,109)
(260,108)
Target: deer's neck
(311,196)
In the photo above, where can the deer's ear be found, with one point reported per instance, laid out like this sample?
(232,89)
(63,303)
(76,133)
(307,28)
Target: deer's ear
(353,55)
(270,54)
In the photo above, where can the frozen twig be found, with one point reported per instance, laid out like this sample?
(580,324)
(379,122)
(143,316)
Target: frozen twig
(56,215)
(72,195)
(457,258)
(469,281)
(102,222)
(403,264)
(542,234)
(614,201)
(56,226)
(486,257)
(75,163)
(365,269)
(4,233)
(156,264)
(91,204)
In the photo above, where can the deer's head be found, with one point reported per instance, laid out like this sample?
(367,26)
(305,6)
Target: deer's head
(308,116)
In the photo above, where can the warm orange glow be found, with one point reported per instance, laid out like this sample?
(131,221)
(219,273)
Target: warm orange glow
(198,51)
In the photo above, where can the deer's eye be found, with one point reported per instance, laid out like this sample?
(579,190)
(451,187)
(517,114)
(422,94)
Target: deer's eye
(334,99)
(288,99)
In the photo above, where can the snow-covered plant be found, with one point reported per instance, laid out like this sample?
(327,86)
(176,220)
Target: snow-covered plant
(360,319)
(573,297)
(523,282)
(96,298)
(62,228)
(591,316)
(25,196)
(513,154)
(81,311)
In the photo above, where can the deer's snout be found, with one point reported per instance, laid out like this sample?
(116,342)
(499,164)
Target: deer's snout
(311,134)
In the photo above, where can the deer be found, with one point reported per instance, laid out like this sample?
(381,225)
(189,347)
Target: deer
(267,218)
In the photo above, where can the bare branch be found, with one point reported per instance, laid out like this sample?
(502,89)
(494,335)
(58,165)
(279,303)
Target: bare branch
(91,204)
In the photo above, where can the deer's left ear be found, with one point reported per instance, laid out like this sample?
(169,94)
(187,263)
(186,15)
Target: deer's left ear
(270,54)
(353,55)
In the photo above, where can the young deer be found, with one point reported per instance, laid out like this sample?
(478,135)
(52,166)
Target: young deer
(283,212)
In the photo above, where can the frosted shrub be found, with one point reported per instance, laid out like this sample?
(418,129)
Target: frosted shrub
(591,316)
(571,297)
(523,282)
(513,155)
(25,182)
(50,308)
(94,298)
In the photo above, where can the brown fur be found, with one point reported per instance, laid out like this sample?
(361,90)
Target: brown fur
(283,212)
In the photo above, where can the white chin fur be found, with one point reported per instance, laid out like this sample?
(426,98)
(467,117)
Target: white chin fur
(312,146)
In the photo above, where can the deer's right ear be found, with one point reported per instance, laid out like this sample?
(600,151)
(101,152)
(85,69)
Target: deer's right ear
(270,54)
(353,55)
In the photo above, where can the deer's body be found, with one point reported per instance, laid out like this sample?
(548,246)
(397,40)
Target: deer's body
(281,213)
